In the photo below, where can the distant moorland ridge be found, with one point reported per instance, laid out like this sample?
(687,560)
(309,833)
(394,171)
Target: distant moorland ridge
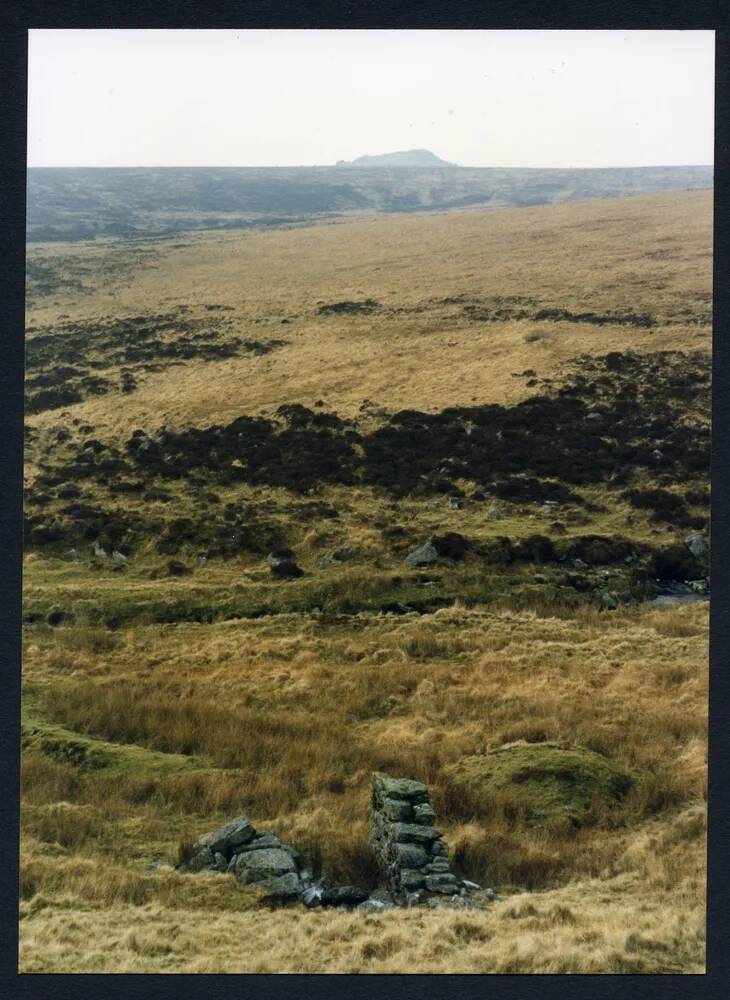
(403,158)
(70,203)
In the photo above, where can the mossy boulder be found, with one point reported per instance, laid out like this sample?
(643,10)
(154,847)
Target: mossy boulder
(545,784)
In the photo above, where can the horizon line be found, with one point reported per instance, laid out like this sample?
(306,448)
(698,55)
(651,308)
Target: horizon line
(349,163)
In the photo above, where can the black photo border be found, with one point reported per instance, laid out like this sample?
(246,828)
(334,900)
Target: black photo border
(16,18)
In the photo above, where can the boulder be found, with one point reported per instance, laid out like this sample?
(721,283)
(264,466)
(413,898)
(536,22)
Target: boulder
(374,906)
(204,858)
(454,903)
(438,864)
(260,842)
(697,546)
(257,866)
(439,849)
(312,896)
(442,882)
(233,834)
(282,887)
(424,555)
(382,895)
(411,879)
(279,556)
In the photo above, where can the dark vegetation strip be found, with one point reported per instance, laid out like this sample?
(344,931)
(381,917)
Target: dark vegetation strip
(617,417)
(142,343)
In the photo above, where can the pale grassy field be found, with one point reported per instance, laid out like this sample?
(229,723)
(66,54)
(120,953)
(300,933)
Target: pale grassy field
(139,737)
(650,253)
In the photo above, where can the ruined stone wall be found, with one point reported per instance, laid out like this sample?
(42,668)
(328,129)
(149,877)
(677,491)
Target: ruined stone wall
(411,854)
(254,857)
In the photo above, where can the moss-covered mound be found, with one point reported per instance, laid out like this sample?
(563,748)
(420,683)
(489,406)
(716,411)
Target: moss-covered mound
(544,784)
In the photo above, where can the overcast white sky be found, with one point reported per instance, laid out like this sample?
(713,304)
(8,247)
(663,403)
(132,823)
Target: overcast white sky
(477,98)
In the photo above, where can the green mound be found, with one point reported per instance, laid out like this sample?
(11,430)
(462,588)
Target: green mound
(546,784)
(66,746)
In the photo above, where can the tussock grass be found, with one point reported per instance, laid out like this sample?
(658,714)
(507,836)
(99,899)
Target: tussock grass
(617,923)
(166,706)
(294,714)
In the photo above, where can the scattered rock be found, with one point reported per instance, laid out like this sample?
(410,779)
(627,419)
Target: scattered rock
(312,896)
(697,546)
(371,905)
(269,862)
(424,555)
(282,887)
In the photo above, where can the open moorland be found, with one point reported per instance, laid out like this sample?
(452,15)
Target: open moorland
(425,494)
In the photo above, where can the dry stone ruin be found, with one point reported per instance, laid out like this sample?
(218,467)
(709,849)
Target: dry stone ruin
(411,854)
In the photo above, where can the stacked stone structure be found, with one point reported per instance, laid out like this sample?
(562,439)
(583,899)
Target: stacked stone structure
(411,853)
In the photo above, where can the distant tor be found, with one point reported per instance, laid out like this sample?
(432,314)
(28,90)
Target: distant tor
(404,158)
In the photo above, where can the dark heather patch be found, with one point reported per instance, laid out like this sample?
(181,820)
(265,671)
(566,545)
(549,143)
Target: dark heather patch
(365,306)
(653,419)
(486,314)
(54,355)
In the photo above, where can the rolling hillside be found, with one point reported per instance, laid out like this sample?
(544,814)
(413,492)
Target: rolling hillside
(384,493)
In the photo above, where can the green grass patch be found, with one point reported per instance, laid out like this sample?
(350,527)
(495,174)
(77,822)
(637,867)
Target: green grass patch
(85,752)
(542,784)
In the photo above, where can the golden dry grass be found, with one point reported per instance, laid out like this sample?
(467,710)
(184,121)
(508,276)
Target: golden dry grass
(292,717)
(650,253)
(138,739)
